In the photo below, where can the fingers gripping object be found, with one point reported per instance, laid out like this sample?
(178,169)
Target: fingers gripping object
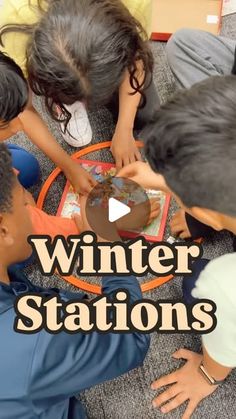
(77,282)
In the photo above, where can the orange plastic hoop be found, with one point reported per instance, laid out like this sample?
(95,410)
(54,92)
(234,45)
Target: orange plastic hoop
(78,282)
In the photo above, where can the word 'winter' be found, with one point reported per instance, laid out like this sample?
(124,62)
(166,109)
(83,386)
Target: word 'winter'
(89,257)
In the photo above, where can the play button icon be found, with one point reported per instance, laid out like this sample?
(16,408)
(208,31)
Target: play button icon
(117,210)
(117,203)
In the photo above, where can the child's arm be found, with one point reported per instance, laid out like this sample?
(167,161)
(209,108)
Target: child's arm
(9,129)
(123,147)
(216,370)
(217,281)
(37,131)
(93,357)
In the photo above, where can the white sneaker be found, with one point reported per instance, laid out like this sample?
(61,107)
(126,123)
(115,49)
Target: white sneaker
(78,131)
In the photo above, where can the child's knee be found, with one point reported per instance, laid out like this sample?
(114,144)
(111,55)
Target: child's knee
(33,166)
(177,44)
(29,173)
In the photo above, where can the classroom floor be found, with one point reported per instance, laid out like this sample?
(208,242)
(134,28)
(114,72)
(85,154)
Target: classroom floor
(130,396)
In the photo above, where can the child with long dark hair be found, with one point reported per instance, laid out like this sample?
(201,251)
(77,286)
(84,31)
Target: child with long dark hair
(29,120)
(13,100)
(97,53)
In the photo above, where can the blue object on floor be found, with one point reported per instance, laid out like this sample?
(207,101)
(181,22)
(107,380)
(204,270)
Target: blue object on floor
(26,164)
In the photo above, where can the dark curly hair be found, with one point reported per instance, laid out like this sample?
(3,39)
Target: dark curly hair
(7,179)
(80,51)
(13,89)
(192,143)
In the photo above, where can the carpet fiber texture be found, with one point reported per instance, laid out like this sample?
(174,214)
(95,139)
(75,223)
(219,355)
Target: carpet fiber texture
(130,396)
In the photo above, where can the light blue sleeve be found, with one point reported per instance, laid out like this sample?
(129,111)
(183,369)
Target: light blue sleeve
(218,283)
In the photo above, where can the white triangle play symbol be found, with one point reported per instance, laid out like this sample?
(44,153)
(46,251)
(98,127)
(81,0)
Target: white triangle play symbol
(117,210)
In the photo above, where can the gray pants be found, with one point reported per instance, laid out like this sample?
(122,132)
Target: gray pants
(194,55)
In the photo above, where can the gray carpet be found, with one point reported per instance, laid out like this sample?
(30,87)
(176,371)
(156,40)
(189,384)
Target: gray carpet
(130,396)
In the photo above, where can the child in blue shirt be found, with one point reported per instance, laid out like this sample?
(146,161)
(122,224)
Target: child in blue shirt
(43,372)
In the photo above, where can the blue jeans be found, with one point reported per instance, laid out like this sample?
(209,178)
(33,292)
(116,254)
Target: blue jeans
(189,282)
(26,164)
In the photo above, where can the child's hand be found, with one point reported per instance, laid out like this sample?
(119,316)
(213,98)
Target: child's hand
(81,220)
(80,179)
(187,384)
(141,216)
(124,149)
(179,226)
(142,174)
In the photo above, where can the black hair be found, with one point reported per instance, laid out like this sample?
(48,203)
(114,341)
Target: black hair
(13,89)
(192,143)
(7,179)
(80,50)
(234,65)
